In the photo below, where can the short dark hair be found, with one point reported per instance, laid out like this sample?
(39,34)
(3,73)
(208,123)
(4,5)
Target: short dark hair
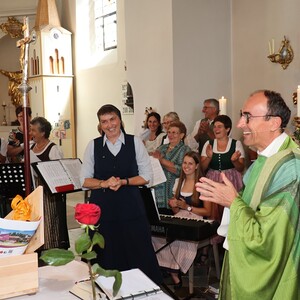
(107,109)
(19,109)
(224,119)
(43,124)
(277,107)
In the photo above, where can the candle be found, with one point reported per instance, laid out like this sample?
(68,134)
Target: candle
(298,101)
(222,105)
(270,50)
(4,104)
(273,48)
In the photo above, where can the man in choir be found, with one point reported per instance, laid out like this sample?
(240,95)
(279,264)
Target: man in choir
(263,239)
(203,130)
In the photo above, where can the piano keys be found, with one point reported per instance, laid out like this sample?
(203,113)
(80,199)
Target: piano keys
(173,228)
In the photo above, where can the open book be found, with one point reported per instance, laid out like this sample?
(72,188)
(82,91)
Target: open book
(135,285)
(61,175)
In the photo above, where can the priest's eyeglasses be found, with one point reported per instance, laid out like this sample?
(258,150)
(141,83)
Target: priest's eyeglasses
(248,116)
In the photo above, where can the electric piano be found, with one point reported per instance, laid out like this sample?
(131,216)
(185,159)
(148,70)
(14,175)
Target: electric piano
(172,227)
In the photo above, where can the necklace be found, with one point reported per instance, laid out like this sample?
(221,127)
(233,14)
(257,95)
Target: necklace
(39,148)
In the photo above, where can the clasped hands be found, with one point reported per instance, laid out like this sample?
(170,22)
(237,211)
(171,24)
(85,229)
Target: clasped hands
(220,193)
(113,183)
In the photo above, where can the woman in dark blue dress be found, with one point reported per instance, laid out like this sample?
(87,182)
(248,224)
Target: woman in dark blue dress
(114,166)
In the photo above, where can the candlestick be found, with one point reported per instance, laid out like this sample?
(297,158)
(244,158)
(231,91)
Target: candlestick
(222,105)
(298,101)
(4,122)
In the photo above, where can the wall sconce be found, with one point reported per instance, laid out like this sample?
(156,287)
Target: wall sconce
(285,54)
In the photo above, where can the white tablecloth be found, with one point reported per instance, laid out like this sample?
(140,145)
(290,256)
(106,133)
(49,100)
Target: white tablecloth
(55,282)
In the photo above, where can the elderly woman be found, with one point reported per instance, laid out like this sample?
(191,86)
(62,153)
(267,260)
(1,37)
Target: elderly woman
(170,156)
(114,165)
(42,149)
(55,222)
(168,118)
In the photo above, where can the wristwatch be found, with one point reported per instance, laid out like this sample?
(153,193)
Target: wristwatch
(189,208)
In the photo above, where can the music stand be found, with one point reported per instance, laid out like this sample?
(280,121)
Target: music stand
(12,183)
(150,205)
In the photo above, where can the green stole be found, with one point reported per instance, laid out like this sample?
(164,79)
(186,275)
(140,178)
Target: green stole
(263,235)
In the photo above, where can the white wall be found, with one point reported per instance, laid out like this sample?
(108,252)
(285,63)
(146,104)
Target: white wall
(97,80)
(202,55)
(254,23)
(178,54)
(149,56)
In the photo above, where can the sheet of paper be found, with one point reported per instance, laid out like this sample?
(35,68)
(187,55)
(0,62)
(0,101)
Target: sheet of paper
(54,174)
(73,168)
(158,172)
(135,285)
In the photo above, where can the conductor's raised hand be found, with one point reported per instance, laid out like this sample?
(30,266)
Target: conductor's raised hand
(220,193)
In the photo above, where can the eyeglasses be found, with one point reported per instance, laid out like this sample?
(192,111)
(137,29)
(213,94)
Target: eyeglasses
(206,107)
(165,123)
(248,116)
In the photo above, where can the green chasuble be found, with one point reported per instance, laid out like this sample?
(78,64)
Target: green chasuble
(264,231)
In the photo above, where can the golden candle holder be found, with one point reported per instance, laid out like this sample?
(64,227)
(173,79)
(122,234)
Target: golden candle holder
(285,54)
(4,122)
(296,122)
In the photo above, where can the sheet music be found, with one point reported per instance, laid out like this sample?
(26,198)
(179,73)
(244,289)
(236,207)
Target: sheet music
(73,168)
(58,174)
(135,285)
(158,172)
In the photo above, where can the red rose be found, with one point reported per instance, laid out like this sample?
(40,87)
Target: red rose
(87,213)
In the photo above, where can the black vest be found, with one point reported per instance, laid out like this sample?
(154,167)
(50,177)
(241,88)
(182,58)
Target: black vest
(222,161)
(125,203)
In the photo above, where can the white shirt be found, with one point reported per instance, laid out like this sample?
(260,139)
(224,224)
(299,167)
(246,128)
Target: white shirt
(141,154)
(238,147)
(190,140)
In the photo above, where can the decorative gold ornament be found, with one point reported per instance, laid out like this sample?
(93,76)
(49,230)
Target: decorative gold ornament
(12,27)
(285,54)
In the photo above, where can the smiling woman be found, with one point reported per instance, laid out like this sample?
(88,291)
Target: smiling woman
(114,165)
(223,154)
(170,157)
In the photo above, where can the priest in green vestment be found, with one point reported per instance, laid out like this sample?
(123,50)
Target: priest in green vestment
(263,238)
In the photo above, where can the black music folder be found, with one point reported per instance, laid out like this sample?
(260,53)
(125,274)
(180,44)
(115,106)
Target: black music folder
(61,175)
(150,205)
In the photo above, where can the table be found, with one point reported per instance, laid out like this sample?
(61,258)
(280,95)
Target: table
(55,282)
